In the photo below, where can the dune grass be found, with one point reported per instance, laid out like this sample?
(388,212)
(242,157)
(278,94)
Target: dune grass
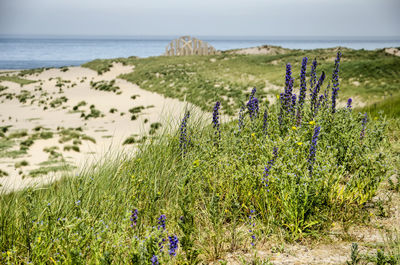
(16,79)
(198,191)
(229,77)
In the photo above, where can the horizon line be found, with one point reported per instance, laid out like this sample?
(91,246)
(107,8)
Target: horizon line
(349,37)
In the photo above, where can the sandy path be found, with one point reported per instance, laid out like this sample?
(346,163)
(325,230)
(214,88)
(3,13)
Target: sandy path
(108,131)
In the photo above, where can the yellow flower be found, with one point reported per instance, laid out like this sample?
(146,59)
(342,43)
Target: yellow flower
(299,143)
(196,163)
(312,123)
(8,253)
(294,128)
(39,239)
(226,210)
(253,135)
(277,96)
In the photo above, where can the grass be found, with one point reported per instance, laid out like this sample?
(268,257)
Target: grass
(49,169)
(105,86)
(16,79)
(217,187)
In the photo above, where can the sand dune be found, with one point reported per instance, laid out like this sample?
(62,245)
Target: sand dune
(109,130)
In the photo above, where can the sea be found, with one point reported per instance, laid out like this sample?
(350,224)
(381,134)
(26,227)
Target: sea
(26,52)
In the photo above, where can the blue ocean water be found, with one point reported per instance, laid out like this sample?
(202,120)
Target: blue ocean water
(33,52)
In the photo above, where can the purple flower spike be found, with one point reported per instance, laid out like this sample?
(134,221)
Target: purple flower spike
(216,122)
(349,101)
(335,81)
(173,245)
(313,149)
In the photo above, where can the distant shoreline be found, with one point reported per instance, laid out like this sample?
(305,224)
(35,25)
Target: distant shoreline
(19,52)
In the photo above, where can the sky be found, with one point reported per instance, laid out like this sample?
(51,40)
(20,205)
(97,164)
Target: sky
(202,18)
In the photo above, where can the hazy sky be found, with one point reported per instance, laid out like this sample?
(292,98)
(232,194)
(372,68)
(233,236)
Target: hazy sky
(202,17)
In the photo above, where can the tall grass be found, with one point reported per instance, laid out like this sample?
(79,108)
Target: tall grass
(187,195)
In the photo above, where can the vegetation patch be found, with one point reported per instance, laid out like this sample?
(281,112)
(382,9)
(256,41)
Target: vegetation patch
(22,163)
(49,169)
(80,104)
(105,86)
(30,72)
(16,79)
(3,173)
(154,127)
(55,103)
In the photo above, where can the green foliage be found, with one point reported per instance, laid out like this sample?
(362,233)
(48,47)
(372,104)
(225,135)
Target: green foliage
(31,71)
(46,170)
(105,86)
(390,106)
(55,103)
(16,79)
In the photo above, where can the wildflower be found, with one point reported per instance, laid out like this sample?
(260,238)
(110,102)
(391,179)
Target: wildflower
(294,128)
(293,104)
(270,163)
(183,138)
(349,101)
(303,84)
(335,81)
(313,148)
(161,222)
(173,245)
(216,123)
(313,76)
(134,217)
(311,122)
(253,135)
(252,106)
(154,260)
(303,89)
(315,93)
(277,96)
(364,124)
(252,225)
(299,143)
(253,92)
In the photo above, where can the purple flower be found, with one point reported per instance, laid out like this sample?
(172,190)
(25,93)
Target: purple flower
(216,122)
(252,225)
(303,89)
(315,93)
(335,81)
(134,217)
(154,260)
(183,138)
(349,101)
(313,149)
(241,117)
(161,222)
(173,245)
(253,108)
(364,125)
(270,163)
(313,76)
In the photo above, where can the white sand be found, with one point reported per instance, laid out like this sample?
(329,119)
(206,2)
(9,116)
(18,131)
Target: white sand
(113,126)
